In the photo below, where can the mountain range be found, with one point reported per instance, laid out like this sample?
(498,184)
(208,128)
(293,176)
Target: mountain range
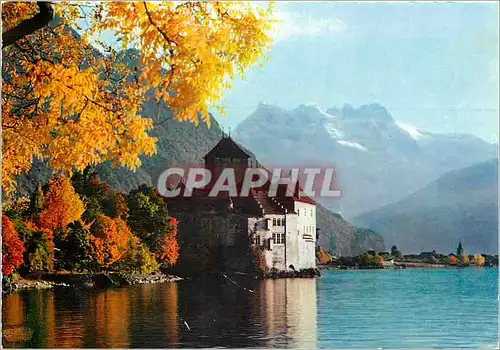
(378,161)
(420,190)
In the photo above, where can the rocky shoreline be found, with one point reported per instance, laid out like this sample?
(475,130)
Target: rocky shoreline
(304,273)
(101,280)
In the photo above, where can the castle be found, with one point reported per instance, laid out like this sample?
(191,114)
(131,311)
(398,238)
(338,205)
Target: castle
(282,227)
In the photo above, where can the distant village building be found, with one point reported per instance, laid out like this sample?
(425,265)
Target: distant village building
(283,227)
(387,264)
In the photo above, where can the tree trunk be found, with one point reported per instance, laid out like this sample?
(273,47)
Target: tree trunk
(30,25)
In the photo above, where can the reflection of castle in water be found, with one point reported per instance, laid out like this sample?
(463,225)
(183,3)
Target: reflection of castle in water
(277,313)
(289,311)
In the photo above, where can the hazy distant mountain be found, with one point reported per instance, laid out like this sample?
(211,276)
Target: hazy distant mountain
(461,205)
(378,160)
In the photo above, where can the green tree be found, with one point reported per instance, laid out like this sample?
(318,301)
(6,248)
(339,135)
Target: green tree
(137,259)
(149,220)
(394,250)
(39,256)
(460,249)
(36,202)
(148,212)
(76,251)
(367,260)
(98,196)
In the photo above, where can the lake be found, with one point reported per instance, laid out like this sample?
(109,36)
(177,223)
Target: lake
(412,308)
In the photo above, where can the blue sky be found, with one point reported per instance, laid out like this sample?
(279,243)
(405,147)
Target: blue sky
(432,65)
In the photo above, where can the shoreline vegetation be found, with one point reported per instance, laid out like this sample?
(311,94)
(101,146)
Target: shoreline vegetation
(395,259)
(401,265)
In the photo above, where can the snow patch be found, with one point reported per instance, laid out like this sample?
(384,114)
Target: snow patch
(322,111)
(333,131)
(411,130)
(352,144)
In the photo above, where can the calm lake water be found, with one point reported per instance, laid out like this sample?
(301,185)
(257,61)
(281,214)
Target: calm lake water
(342,309)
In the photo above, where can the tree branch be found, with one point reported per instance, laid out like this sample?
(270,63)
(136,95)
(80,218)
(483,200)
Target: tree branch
(165,36)
(31,25)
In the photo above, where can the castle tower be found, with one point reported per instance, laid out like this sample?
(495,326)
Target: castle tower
(227,154)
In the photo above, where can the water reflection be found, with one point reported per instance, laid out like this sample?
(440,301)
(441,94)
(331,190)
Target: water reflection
(277,313)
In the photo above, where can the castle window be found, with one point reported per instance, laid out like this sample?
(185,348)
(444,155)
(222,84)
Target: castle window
(257,239)
(278,220)
(283,238)
(274,238)
(274,221)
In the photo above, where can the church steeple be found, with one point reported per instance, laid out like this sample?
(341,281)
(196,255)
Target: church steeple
(460,249)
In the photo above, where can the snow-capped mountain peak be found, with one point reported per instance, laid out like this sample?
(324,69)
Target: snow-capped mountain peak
(411,130)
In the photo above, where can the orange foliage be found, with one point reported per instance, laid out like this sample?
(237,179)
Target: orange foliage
(109,240)
(452,260)
(323,257)
(62,205)
(168,244)
(479,259)
(63,103)
(12,247)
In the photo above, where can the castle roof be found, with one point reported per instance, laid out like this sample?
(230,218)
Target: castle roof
(227,147)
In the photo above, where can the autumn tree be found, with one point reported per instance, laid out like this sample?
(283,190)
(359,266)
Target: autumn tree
(109,239)
(479,259)
(98,196)
(16,207)
(452,260)
(62,205)
(323,257)
(74,100)
(165,244)
(377,260)
(464,259)
(12,247)
(138,258)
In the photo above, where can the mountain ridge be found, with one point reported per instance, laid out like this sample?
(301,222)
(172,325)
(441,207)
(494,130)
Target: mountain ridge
(462,205)
(377,161)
